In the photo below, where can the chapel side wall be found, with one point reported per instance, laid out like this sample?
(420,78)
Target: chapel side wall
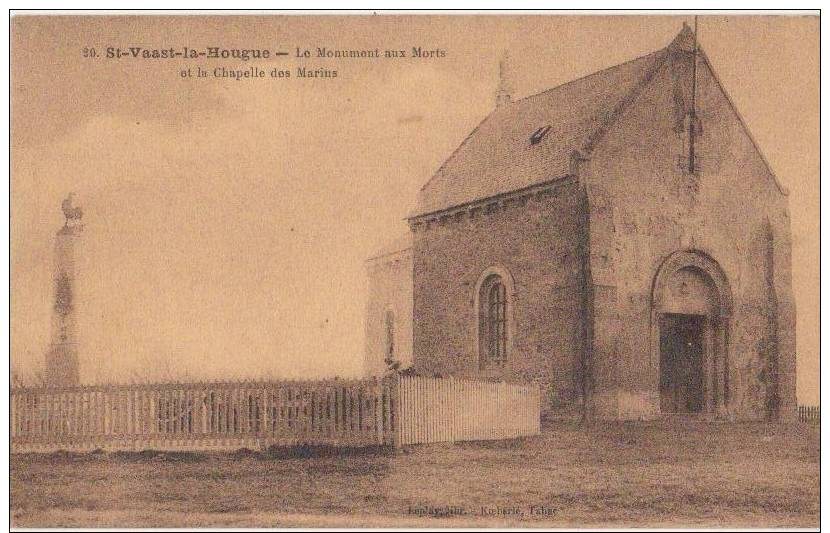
(536,239)
(658,209)
(390,289)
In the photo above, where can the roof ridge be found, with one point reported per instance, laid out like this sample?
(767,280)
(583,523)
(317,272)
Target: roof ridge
(586,76)
(593,137)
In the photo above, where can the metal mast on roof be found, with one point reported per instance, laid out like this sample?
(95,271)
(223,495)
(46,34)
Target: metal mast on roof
(694,68)
(693,114)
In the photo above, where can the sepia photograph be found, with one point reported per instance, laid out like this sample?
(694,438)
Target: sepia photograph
(414,269)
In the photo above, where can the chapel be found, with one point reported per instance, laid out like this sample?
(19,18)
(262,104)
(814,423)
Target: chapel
(620,240)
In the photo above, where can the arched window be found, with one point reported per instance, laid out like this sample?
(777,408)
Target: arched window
(389,329)
(493,322)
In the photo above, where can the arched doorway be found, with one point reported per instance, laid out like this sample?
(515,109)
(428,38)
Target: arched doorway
(691,305)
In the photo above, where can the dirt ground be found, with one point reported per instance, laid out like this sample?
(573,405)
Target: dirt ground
(668,473)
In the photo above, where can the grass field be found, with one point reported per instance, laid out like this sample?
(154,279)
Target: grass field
(669,473)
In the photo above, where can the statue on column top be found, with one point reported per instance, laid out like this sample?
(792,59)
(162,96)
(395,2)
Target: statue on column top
(72,213)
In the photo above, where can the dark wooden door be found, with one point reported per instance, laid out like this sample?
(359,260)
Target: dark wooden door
(681,363)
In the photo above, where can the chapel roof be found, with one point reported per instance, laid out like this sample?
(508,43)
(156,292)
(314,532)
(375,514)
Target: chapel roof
(499,157)
(401,244)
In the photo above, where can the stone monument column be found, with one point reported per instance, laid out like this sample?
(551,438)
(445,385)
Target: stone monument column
(62,358)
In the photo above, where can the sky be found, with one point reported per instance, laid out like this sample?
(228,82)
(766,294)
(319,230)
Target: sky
(226,222)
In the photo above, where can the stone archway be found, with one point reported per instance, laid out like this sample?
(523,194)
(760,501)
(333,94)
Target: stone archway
(690,309)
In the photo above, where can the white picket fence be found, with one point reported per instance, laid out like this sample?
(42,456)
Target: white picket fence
(451,410)
(396,411)
(203,416)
